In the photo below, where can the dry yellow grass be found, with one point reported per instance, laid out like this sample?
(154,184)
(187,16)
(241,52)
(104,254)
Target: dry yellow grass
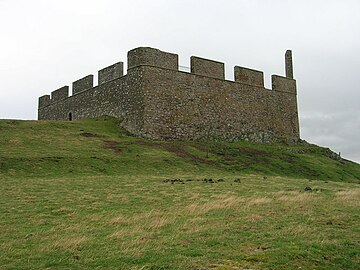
(257,201)
(349,197)
(258,216)
(63,211)
(140,228)
(160,222)
(119,234)
(120,219)
(293,197)
(71,242)
(200,209)
(298,230)
(193,225)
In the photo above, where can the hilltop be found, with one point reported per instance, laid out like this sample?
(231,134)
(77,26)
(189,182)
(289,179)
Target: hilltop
(88,195)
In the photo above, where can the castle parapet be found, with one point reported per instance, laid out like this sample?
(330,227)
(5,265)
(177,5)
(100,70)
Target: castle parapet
(145,56)
(283,84)
(111,73)
(60,93)
(207,67)
(44,101)
(83,84)
(249,76)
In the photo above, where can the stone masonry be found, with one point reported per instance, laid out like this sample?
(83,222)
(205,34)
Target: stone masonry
(157,101)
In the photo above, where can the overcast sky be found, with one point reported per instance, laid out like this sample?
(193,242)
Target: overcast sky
(48,44)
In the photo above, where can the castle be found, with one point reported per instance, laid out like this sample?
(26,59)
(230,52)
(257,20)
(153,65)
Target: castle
(157,101)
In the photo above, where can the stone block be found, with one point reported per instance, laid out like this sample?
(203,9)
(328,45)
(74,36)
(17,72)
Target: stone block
(249,76)
(283,84)
(152,57)
(83,84)
(207,67)
(111,73)
(44,101)
(60,93)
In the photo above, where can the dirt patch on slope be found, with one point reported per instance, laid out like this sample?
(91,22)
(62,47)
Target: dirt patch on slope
(181,152)
(112,145)
(89,135)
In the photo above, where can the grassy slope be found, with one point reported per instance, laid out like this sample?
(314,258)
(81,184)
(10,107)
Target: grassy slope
(98,147)
(85,195)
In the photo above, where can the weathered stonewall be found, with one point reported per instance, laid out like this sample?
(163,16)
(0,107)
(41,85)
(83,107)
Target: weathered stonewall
(155,100)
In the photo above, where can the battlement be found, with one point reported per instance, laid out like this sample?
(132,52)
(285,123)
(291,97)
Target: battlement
(83,84)
(207,67)
(249,76)
(105,75)
(156,100)
(145,56)
(283,84)
(60,93)
(110,73)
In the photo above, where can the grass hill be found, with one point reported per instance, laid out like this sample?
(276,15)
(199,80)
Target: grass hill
(100,147)
(86,194)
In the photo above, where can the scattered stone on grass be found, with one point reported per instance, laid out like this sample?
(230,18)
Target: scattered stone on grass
(237,180)
(12,122)
(174,181)
(205,180)
(307,189)
(212,181)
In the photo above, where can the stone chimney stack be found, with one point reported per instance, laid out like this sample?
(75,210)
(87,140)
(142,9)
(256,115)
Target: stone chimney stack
(289,65)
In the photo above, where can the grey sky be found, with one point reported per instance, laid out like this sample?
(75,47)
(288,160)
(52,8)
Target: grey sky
(47,44)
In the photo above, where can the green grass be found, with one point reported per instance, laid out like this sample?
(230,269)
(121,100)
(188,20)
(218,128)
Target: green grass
(87,195)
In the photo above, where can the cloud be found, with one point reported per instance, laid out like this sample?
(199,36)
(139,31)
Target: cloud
(338,130)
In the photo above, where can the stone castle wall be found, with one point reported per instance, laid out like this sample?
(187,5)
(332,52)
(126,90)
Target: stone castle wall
(155,100)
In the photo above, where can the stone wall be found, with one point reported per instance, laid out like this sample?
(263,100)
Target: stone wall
(156,101)
(195,107)
(121,98)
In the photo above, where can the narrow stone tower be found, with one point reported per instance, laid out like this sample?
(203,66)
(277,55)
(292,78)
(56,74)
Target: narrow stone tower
(289,65)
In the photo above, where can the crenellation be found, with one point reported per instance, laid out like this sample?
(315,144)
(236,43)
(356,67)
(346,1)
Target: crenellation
(111,73)
(157,101)
(283,84)
(207,67)
(152,57)
(44,101)
(83,84)
(249,76)
(60,94)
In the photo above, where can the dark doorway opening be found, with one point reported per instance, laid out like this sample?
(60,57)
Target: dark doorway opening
(70,118)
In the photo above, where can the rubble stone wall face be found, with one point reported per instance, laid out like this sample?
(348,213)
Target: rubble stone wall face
(188,106)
